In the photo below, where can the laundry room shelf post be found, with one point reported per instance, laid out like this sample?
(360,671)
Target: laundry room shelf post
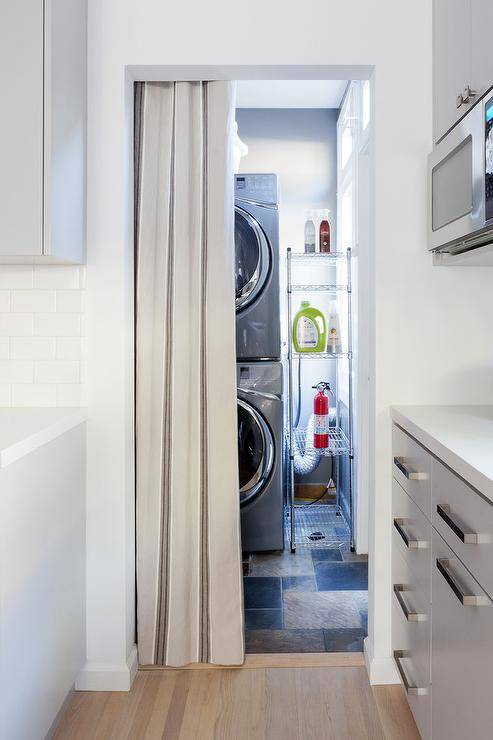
(340,441)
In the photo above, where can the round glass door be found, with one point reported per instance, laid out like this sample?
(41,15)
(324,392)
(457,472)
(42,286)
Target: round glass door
(255,452)
(252,258)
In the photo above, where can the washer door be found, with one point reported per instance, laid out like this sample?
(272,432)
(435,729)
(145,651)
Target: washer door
(255,452)
(252,259)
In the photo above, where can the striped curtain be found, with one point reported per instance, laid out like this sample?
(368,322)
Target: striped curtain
(189,583)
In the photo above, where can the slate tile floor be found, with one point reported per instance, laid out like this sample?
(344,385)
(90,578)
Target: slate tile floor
(310,601)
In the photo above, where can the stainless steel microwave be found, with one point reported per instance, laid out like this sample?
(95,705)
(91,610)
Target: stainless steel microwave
(460,184)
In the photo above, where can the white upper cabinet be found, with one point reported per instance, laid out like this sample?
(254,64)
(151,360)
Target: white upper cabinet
(481,56)
(43,131)
(451,61)
(21,127)
(462,59)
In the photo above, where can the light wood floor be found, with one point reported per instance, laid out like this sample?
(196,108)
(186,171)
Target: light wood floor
(240,704)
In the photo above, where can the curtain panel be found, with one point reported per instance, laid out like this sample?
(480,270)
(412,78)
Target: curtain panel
(189,580)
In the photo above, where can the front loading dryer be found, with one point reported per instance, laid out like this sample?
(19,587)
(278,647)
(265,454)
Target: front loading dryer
(258,333)
(260,435)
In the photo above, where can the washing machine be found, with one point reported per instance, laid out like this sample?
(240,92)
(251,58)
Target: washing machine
(260,437)
(258,334)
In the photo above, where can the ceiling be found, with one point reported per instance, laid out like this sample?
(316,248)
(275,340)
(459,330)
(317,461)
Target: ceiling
(290,93)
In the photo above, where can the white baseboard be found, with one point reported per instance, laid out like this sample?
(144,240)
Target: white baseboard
(108,677)
(380,670)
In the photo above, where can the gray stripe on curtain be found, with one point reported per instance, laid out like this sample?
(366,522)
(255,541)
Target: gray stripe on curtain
(189,580)
(204,637)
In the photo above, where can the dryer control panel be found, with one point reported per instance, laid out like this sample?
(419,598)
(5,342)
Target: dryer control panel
(259,188)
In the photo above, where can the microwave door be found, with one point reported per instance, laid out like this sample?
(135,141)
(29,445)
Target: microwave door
(456,182)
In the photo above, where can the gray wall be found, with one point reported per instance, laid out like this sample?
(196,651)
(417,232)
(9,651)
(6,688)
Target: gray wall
(300,145)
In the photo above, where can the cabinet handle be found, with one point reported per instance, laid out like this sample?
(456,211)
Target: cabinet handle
(468,94)
(410,474)
(409,688)
(455,524)
(410,616)
(412,544)
(466,599)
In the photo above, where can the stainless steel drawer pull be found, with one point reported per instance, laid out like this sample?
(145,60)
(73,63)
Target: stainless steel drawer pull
(409,688)
(412,544)
(465,598)
(457,526)
(410,474)
(410,616)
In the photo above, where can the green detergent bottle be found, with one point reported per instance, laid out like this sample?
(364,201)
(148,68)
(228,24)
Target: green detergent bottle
(309,329)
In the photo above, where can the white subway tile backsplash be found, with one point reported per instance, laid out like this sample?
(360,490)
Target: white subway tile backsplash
(33,301)
(5,394)
(34,394)
(69,301)
(16,276)
(16,371)
(57,325)
(69,348)
(16,324)
(4,301)
(56,276)
(71,394)
(57,371)
(32,348)
(42,352)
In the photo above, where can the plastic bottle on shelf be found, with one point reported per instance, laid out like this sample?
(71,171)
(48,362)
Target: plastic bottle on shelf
(334,343)
(310,240)
(309,329)
(324,231)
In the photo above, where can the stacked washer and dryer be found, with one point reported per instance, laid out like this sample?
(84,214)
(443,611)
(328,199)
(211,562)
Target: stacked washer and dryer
(258,365)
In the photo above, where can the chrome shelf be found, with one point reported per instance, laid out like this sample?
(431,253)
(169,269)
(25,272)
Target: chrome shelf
(338,442)
(321,355)
(318,288)
(319,256)
(318,526)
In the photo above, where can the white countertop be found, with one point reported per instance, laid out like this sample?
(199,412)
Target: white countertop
(461,436)
(23,430)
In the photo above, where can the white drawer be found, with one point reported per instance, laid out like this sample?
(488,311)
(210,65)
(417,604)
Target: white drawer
(465,521)
(412,595)
(411,466)
(415,680)
(462,658)
(411,535)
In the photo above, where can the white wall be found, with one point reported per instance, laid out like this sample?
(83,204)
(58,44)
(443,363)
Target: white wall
(424,316)
(42,588)
(300,146)
(42,356)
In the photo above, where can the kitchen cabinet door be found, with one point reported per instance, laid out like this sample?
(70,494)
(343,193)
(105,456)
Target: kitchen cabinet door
(65,130)
(461,664)
(481,56)
(451,61)
(21,128)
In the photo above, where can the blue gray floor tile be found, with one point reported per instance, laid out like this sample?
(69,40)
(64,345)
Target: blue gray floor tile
(352,576)
(263,619)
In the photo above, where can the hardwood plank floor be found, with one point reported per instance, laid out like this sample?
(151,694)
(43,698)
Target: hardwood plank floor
(290,703)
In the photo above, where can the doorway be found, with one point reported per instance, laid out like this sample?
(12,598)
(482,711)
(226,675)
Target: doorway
(304,530)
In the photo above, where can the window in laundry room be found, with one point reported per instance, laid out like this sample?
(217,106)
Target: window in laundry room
(305,562)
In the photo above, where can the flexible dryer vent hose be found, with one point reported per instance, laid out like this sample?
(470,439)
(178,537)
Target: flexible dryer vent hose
(307,461)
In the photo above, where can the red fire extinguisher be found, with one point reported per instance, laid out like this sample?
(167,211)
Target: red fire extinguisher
(321,414)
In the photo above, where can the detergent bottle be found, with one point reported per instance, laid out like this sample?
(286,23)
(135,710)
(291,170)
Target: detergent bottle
(309,329)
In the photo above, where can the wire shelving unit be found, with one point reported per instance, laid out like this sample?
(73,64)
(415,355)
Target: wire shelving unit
(321,525)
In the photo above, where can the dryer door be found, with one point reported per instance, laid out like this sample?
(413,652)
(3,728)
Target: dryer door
(255,452)
(252,259)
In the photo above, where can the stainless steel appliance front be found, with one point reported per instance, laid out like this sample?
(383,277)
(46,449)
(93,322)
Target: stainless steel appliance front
(460,186)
